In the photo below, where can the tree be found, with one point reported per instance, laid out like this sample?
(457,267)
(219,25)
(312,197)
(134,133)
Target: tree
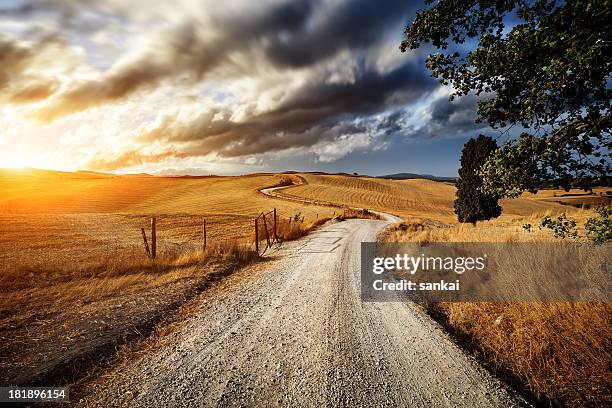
(549,73)
(471,203)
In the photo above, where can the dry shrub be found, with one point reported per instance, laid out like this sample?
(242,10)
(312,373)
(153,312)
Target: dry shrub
(560,351)
(232,251)
(291,228)
(297,227)
(288,231)
(364,213)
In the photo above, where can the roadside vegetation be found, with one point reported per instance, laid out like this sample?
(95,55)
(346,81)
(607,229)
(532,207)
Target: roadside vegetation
(557,351)
(295,227)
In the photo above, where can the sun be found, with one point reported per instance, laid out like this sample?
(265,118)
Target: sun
(15,161)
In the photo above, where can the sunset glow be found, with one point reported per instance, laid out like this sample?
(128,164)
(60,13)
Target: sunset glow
(125,87)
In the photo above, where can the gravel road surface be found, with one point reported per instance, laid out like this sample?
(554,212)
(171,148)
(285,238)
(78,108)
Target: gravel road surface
(297,334)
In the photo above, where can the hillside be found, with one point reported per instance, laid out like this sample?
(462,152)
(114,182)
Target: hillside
(406,198)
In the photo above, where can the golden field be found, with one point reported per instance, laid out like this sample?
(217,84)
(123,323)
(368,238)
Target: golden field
(76,282)
(74,275)
(409,198)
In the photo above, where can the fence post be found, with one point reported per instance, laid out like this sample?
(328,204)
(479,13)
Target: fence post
(144,238)
(256,237)
(275,237)
(204,233)
(266,229)
(153,238)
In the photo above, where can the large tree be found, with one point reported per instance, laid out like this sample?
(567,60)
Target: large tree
(543,66)
(471,203)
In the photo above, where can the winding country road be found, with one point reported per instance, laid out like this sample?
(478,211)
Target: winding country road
(297,334)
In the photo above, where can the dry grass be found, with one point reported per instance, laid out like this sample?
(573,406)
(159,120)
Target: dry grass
(558,350)
(577,198)
(53,328)
(296,227)
(74,276)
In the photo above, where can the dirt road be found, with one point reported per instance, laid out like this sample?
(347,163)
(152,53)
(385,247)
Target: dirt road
(297,334)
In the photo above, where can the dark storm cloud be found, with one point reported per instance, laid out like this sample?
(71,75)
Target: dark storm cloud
(350,25)
(19,79)
(453,118)
(317,111)
(313,113)
(284,35)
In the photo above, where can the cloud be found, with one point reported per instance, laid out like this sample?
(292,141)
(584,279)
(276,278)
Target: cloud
(32,91)
(190,48)
(234,81)
(313,112)
(131,158)
(27,67)
(290,34)
(347,25)
(17,57)
(452,118)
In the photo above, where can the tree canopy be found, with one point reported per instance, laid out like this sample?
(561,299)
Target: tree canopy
(542,66)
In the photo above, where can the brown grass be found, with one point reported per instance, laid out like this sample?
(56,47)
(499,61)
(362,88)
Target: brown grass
(295,227)
(74,276)
(54,328)
(556,350)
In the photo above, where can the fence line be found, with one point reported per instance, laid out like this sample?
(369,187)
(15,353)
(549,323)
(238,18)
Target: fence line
(266,220)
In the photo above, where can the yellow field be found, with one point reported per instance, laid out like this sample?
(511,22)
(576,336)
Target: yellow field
(74,277)
(50,192)
(409,198)
(49,218)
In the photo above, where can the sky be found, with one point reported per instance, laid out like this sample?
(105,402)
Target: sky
(230,87)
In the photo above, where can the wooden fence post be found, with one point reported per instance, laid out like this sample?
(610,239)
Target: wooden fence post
(275,237)
(204,233)
(153,238)
(144,238)
(256,237)
(266,229)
